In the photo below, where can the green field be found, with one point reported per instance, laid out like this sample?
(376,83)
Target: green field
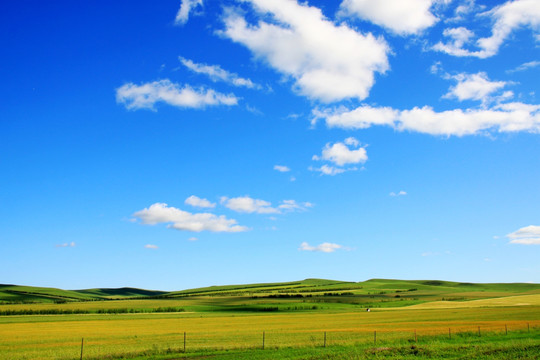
(427,319)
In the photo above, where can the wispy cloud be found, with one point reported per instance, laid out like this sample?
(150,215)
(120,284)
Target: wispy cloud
(400,193)
(324,247)
(526,66)
(150,246)
(506,18)
(71,244)
(160,213)
(247,204)
(281,168)
(292,205)
(186,8)
(145,96)
(216,73)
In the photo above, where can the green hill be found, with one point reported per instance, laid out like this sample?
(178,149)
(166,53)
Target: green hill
(384,292)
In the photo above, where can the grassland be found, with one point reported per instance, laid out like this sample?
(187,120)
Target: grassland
(229,321)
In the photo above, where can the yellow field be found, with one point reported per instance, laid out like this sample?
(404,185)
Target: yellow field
(59,336)
(521,300)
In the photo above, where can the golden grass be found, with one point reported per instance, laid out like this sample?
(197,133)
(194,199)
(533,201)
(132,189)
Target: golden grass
(59,337)
(520,300)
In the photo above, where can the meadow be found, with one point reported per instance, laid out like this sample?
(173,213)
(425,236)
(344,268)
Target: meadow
(298,320)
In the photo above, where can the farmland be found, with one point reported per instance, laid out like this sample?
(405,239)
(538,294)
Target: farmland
(293,318)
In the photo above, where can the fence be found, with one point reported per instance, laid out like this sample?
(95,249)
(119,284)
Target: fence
(265,340)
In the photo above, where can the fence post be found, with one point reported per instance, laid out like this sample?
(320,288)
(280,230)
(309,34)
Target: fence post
(263,340)
(506,329)
(325,339)
(415,337)
(82,346)
(479,331)
(184,341)
(449,334)
(375,337)
(528,328)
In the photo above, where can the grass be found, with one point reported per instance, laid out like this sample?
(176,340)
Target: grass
(228,321)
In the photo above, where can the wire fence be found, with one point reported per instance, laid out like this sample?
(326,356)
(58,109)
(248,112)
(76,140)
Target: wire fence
(182,342)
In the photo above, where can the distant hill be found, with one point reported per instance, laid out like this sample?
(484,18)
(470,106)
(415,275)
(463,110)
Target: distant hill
(30,294)
(414,290)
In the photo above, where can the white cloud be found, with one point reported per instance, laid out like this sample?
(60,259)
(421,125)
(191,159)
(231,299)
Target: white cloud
(216,73)
(186,7)
(460,36)
(342,153)
(473,87)
(327,62)
(528,235)
(509,117)
(324,247)
(160,213)
(507,18)
(198,202)
(246,204)
(145,96)
(281,168)
(359,118)
(150,246)
(292,205)
(526,66)
(330,170)
(193,238)
(401,193)
(71,244)
(398,16)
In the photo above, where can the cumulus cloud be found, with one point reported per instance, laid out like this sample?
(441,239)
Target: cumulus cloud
(281,168)
(327,62)
(473,87)
(145,96)
(150,246)
(160,213)
(216,73)
(186,8)
(342,153)
(528,235)
(508,117)
(458,38)
(71,244)
(324,247)
(198,202)
(507,18)
(401,193)
(398,16)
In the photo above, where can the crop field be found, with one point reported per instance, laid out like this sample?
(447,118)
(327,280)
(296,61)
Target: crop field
(238,323)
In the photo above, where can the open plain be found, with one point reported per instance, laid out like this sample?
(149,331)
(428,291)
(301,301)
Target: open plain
(298,320)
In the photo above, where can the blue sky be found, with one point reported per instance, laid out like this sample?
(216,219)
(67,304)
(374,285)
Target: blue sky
(179,144)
